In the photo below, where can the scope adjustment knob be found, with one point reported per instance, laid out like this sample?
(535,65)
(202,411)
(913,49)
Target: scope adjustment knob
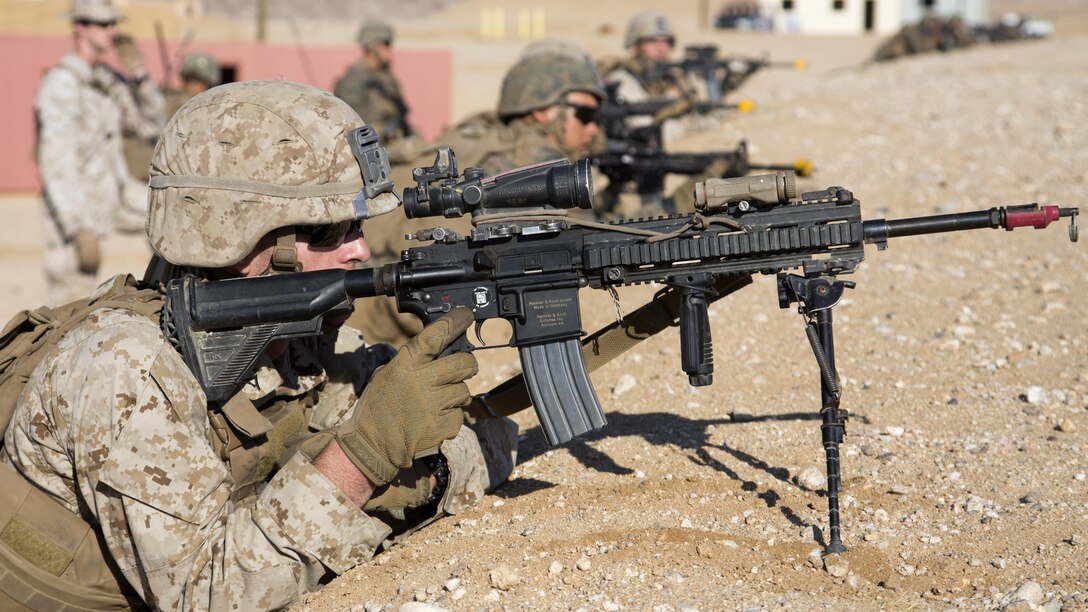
(472,195)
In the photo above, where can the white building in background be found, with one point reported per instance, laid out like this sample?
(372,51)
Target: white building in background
(850,17)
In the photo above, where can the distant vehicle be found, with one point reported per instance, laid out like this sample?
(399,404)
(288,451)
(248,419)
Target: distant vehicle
(1014,26)
(1037,28)
(743,16)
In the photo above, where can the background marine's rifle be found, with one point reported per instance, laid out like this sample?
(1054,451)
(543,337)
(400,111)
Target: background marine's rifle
(646,165)
(526,260)
(613,115)
(722,75)
(636,155)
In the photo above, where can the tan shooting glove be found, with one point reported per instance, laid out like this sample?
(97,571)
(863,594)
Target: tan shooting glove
(410,489)
(412,404)
(86,243)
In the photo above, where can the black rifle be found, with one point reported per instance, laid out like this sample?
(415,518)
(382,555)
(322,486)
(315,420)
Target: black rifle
(526,260)
(614,113)
(721,74)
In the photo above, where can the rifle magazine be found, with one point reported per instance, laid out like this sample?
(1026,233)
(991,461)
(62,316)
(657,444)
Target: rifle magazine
(561,391)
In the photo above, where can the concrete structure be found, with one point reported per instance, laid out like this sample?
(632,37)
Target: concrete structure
(425,78)
(849,17)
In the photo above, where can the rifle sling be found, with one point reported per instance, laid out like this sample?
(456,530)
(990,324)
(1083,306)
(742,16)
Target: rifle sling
(604,345)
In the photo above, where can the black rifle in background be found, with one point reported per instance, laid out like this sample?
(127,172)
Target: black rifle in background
(721,75)
(635,155)
(526,260)
(646,165)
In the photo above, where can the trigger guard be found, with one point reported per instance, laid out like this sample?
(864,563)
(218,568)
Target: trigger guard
(476,329)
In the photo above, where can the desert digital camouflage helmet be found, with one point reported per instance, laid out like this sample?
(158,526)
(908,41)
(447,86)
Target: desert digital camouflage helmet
(648,25)
(541,79)
(241,160)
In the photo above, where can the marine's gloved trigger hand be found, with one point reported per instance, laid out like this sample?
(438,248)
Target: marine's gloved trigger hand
(412,404)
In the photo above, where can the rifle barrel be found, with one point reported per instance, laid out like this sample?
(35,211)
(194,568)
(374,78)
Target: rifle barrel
(1009,218)
(882,229)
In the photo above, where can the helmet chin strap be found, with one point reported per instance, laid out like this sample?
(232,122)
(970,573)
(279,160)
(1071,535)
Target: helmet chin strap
(284,254)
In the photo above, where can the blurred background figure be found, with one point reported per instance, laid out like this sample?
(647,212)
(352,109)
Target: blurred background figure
(645,73)
(199,72)
(82,109)
(370,88)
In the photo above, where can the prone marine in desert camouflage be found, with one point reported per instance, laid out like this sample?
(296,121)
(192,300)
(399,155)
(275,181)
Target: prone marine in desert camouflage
(128,485)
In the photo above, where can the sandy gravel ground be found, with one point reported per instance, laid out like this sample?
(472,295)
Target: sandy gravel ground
(966,368)
(964,361)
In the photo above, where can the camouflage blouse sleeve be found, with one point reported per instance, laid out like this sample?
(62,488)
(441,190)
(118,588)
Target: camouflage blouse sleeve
(57,108)
(143,106)
(129,427)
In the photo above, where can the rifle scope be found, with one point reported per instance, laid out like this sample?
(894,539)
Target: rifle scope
(549,185)
(770,189)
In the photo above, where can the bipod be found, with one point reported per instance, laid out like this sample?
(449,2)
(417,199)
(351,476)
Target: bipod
(815,297)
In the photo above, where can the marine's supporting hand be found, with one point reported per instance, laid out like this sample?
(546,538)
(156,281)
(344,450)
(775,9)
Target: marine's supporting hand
(129,55)
(86,243)
(410,489)
(412,404)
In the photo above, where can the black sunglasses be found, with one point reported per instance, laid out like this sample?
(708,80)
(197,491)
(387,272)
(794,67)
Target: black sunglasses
(329,235)
(585,114)
(101,24)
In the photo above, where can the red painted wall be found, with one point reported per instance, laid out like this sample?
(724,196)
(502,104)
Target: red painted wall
(424,76)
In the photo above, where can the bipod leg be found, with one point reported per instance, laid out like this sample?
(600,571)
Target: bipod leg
(815,298)
(833,426)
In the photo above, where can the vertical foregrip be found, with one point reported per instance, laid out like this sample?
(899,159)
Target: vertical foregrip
(560,390)
(696,347)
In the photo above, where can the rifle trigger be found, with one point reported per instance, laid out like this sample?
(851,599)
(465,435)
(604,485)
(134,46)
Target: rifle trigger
(476,329)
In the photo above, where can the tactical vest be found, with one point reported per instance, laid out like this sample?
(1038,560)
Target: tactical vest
(54,559)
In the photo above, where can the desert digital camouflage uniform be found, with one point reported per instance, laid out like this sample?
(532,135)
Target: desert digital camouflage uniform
(220,507)
(115,390)
(636,78)
(143,113)
(85,182)
(143,107)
